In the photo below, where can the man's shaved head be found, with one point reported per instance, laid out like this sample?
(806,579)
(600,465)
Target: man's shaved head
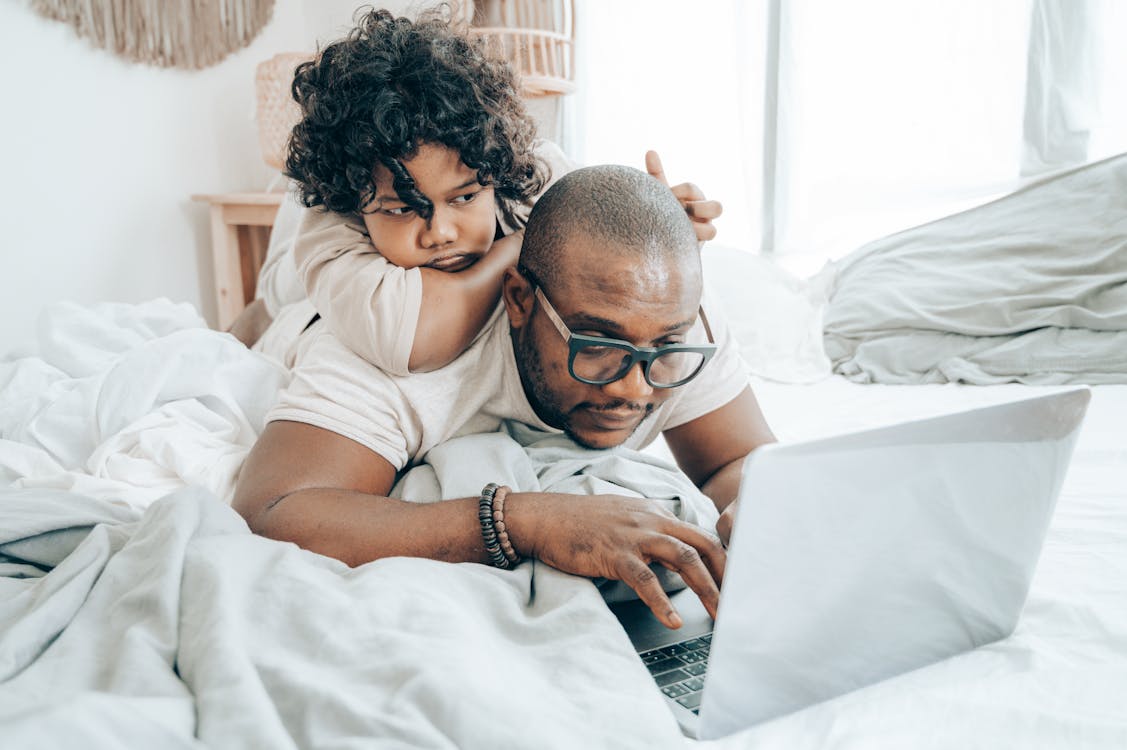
(620,208)
(608,253)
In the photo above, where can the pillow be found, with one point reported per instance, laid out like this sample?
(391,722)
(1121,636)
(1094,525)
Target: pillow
(1029,288)
(775,317)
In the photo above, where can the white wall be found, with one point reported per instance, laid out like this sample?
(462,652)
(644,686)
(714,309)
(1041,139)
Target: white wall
(101,155)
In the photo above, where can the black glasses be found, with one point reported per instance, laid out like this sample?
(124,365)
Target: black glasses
(597,361)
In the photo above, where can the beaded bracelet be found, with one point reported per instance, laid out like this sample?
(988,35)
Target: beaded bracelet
(488,530)
(499,526)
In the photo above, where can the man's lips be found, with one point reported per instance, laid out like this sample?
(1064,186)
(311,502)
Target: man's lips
(617,418)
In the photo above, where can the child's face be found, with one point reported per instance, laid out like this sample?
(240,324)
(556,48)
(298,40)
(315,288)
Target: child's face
(461,228)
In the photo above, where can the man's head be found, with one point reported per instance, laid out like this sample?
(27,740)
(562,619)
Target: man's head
(614,256)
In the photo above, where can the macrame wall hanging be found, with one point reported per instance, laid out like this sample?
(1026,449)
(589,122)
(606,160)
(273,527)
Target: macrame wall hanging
(169,33)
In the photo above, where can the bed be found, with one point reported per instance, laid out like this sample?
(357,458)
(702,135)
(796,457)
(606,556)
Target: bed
(137,610)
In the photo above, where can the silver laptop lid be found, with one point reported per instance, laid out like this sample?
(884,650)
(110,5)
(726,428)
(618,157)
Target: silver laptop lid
(860,557)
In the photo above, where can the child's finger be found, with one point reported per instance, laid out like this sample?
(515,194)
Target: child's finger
(705,231)
(703,210)
(687,191)
(653,166)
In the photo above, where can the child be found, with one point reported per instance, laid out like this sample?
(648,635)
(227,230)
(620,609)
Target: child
(418,164)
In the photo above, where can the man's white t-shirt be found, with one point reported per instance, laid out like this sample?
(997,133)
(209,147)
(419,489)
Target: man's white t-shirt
(402,417)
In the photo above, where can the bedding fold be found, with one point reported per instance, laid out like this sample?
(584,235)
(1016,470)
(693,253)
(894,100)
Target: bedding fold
(1030,288)
(131,402)
(179,628)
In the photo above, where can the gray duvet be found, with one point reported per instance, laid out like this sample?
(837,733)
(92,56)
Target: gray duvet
(1030,288)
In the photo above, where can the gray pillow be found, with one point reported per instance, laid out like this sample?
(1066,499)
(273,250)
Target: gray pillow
(1029,288)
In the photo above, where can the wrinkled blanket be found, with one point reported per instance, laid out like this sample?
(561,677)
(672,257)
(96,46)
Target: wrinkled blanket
(130,402)
(177,627)
(1031,288)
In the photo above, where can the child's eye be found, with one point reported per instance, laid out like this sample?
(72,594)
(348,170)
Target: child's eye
(467,198)
(399,211)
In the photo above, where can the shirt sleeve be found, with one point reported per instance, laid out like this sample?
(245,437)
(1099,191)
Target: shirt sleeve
(371,305)
(334,389)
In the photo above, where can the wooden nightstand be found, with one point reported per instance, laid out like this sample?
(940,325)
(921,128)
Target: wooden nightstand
(240,234)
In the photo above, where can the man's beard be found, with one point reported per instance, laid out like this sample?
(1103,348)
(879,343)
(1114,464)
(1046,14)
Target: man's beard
(544,402)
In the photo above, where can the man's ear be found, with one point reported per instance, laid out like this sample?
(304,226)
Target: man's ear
(518,294)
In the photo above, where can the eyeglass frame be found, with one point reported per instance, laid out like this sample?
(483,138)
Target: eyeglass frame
(644,354)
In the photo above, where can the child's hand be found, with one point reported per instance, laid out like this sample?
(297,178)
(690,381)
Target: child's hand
(700,210)
(507,249)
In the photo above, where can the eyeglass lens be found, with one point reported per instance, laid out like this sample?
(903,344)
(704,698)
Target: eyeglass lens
(605,364)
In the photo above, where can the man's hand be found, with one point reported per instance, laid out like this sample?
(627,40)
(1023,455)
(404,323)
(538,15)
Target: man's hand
(616,537)
(692,199)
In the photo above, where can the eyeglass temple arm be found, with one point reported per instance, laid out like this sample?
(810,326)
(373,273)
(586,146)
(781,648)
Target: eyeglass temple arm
(707,327)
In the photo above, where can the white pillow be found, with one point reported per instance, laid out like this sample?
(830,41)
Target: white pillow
(1030,288)
(775,316)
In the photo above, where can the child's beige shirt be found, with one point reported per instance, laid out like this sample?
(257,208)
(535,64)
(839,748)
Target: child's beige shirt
(371,304)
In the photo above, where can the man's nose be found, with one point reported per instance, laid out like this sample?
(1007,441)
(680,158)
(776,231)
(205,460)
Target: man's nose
(630,387)
(440,230)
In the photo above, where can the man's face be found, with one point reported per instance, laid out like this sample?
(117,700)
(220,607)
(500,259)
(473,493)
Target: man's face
(606,295)
(459,232)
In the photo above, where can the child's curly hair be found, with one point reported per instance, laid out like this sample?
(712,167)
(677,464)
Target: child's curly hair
(392,84)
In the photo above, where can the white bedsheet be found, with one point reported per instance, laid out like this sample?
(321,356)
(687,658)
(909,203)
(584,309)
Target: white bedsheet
(129,404)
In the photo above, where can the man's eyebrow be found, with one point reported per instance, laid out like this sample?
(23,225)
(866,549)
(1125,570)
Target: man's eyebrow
(584,321)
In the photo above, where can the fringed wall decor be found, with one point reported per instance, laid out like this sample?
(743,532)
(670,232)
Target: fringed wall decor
(169,33)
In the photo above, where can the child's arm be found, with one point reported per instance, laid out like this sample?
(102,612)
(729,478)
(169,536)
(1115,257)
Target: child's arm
(456,306)
(370,304)
(399,319)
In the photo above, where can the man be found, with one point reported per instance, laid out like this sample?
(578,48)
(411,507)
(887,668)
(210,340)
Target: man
(603,310)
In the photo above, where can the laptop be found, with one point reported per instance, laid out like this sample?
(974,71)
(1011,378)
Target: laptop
(859,557)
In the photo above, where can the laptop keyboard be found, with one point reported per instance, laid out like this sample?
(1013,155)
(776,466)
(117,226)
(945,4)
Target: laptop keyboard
(679,670)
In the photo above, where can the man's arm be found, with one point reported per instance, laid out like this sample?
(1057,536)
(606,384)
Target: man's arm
(328,494)
(711,450)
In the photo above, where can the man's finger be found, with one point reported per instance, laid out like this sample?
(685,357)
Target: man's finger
(703,210)
(687,561)
(707,545)
(638,576)
(653,166)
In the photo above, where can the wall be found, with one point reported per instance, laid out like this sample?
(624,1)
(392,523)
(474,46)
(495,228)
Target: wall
(101,157)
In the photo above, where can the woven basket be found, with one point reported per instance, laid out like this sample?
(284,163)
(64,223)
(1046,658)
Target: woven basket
(275,109)
(536,37)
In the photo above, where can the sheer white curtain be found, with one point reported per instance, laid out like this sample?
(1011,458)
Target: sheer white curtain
(824,124)
(685,79)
